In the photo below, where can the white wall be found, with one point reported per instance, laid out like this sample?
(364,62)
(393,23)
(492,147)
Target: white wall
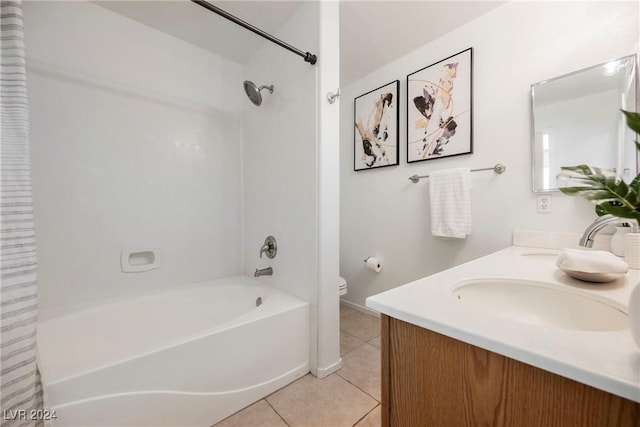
(135,139)
(520,43)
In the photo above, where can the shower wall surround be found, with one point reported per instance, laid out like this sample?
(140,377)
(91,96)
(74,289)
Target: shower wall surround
(280,158)
(289,180)
(136,143)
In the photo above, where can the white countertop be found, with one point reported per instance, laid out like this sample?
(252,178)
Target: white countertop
(607,360)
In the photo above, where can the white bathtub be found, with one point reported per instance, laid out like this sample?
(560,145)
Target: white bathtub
(187,357)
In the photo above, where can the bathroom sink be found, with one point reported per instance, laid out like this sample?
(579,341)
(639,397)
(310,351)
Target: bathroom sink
(542,304)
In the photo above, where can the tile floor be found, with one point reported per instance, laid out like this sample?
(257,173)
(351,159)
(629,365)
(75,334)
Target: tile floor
(349,397)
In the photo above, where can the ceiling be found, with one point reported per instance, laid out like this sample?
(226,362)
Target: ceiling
(372,33)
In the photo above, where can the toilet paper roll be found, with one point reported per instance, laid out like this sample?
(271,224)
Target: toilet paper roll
(374,264)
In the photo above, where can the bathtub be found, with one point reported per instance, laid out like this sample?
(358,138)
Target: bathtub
(186,357)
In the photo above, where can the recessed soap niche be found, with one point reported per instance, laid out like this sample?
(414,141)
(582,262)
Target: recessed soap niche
(139,260)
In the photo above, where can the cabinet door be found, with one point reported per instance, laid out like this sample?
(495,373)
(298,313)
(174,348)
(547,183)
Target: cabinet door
(429,379)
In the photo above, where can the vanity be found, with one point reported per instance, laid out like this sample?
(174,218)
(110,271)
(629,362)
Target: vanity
(509,339)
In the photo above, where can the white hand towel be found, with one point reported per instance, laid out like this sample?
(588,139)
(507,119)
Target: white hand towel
(591,261)
(450,193)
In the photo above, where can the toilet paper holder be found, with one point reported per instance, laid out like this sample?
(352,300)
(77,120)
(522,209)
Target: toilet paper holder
(373,263)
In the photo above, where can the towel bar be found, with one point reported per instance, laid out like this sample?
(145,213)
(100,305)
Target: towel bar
(498,168)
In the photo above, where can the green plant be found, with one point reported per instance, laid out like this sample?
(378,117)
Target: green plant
(610,194)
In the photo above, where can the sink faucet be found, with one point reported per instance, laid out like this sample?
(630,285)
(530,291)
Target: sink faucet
(263,272)
(587,238)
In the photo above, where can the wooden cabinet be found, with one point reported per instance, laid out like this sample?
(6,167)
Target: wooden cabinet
(429,379)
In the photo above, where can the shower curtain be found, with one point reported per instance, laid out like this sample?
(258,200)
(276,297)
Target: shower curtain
(20,387)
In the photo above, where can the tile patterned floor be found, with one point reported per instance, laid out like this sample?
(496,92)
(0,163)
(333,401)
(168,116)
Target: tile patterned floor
(349,397)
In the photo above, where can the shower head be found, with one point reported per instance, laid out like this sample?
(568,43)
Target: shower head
(253,92)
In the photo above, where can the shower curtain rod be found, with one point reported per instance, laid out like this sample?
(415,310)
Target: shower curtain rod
(308,57)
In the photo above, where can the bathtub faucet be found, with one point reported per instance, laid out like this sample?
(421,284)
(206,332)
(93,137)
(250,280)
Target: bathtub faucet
(263,272)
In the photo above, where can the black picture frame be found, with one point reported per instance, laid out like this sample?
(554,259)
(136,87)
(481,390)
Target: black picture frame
(376,140)
(440,109)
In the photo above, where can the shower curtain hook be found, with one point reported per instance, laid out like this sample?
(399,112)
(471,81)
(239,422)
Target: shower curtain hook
(331,97)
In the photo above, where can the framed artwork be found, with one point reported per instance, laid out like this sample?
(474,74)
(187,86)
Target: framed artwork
(376,139)
(439,102)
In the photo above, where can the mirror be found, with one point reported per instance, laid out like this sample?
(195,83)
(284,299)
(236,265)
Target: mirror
(576,119)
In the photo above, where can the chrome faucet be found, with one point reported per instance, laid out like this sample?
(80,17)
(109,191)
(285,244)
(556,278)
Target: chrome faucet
(601,222)
(263,272)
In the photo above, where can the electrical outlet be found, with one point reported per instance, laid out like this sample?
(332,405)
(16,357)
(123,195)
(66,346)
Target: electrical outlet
(544,203)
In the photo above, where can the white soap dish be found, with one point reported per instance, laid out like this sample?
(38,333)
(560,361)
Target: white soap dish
(588,276)
(139,260)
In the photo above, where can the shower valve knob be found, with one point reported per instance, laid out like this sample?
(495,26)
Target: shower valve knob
(269,248)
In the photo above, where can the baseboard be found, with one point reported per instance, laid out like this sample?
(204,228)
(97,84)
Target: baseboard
(360,308)
(325,372)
